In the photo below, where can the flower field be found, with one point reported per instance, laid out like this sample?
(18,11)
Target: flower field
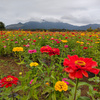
(58,65)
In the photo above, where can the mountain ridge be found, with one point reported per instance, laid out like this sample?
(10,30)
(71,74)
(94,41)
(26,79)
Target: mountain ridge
(50,25)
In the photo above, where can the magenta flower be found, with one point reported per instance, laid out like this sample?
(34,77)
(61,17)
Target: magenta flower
(27,45)
(31,81)
(47,45)
(33,43)
(56,39)
(65,81)
(24,39)
(32,51)
(16,41)
(4,46)
(66,46)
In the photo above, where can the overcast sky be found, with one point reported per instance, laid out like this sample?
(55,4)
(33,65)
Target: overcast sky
(75,12)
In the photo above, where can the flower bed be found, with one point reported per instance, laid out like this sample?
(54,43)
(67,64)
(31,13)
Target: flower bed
(56,62)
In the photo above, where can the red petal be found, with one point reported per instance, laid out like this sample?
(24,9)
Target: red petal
(72,75)
(68,69)
(94,70)
(73,58)
(79,74)
(8,85)
(66,62)
(85,73)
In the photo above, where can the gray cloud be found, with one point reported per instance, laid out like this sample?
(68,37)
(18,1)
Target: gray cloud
(77,12)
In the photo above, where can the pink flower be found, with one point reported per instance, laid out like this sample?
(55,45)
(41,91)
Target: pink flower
(33,43)
(56,39)
(4,46)
(31,81)
(66,46)
(27,45)
(91,46)
(73,50)
(24,39)
(58,42)
(47,45)
(65,81)
(32,51)
(16,41)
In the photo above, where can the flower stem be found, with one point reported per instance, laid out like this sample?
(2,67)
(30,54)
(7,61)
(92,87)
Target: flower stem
(12,93)
(77,80)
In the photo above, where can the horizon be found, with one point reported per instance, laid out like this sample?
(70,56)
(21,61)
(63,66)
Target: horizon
(48,21)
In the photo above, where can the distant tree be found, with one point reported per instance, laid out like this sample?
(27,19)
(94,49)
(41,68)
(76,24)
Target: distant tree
(98,29)
(2,26)
(89,29)
(95,30)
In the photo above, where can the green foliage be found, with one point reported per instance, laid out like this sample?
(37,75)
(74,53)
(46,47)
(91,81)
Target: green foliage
(90,29)
(2,26)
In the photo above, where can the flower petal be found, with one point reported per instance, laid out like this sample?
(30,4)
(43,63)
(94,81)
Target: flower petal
(79,74)
(85,73)
(94,70)
(68,69)
(72,75)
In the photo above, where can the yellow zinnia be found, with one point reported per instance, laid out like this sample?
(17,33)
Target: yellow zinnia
(82,34)
(97,42)
(61,85)
(81,42)
(33,64)
(39,37)
(47,83)
(64,41)
(17,49)
(77,41)
(14,49)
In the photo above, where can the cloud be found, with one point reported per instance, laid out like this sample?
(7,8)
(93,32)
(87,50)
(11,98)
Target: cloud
(78,12)
(77,19)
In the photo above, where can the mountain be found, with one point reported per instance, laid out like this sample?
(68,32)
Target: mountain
(50,25)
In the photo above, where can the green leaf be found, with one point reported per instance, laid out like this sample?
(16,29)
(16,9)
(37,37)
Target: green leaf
(40,69)
(83,83)
(47,79)
(37,85)
(53,96)
(49,89)
(34,81)
(53,77)
(71,82)
(78,93)
(83,98)
(22,62)
(35,96)
(18,88)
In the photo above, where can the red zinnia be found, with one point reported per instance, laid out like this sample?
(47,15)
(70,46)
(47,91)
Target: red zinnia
(66,37)
(54,51)
(50,51)
(45,49)
(34,40)
(8,81)
(85,47)
(24,45)
(77,67)
(58,42)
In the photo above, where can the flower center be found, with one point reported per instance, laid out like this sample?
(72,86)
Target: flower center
(61,85)
(9,79)
(80,62)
